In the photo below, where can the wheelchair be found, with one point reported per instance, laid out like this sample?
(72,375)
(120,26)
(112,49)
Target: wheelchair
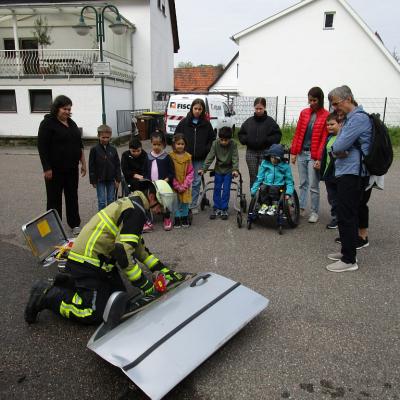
(287,210)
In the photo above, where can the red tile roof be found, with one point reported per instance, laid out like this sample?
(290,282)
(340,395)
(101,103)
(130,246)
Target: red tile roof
(195,79)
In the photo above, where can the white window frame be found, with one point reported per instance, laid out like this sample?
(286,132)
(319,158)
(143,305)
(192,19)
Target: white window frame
(326,13)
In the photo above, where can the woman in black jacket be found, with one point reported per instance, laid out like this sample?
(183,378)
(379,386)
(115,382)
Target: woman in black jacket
(258,133)
(199,135)
(61,150)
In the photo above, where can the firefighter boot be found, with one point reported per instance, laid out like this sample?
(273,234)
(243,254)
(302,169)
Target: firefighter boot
(36,300)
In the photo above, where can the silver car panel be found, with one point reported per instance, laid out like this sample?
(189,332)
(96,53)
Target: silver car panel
(161,345)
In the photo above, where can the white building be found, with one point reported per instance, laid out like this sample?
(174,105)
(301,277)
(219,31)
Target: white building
(31,75)
(313,43)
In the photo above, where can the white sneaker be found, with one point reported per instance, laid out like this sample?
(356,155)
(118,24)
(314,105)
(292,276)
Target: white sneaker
(263,209)
(340,266)
(335,256)
(313,218)
(271,211)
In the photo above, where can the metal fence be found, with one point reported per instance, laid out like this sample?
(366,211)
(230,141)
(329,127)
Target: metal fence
(124,119)
(286,110)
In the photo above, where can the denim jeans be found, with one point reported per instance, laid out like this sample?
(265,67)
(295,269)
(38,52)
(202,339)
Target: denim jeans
(309,179)
(222,191)
(197,164)
(105,193)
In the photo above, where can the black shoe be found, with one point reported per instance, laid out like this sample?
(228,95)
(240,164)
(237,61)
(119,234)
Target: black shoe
(177,222)
(185,222)
(361,243)
(214,214)
(36,300)
(224,214)
(333,224)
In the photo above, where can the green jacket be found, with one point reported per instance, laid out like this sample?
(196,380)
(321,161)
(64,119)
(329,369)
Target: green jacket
(118,226)
(227,158)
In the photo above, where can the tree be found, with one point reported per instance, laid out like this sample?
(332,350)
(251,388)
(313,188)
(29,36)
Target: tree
(185,64)
(42,32)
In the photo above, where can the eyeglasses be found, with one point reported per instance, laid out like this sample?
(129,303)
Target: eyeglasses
(336,103)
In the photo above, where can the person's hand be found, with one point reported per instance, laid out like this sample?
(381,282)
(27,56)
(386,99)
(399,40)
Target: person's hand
(293,158)
(116,184)
(235,174)
(83,170)
(137,176)
(48,175)
(317,164)
(200,172)
(94,185)
(166,179)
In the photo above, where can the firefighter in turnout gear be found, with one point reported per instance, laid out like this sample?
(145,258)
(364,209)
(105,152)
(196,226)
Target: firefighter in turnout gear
(112,237)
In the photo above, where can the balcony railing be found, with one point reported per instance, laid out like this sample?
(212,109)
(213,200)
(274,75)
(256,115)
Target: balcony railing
(57,63)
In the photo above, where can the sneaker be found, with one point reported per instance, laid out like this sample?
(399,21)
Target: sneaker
(313,218)
(148,227)
(195,210)
(272,210)
(263,209)
(35,302)
(215,213)
(185,222)
(332,224)
(224,215)
(336,256)
(361,243)
(340,266)
(167,224)
(76,231)
(178,222)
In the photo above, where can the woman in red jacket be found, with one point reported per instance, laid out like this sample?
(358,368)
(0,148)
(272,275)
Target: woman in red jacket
(307,148)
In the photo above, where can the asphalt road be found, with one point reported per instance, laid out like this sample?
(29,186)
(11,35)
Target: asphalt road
(323,336)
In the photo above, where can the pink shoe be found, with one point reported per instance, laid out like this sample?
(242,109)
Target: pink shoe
(148,227)
(167,224)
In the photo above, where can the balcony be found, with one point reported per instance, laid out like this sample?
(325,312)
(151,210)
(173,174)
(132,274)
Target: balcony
(53,63)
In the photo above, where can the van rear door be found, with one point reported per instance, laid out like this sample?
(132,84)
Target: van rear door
(177,109)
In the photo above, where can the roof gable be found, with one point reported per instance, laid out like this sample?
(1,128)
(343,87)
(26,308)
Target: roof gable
(195,79)
(304,3)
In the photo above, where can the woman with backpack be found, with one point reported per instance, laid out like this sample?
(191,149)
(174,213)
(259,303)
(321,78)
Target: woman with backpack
(350,146)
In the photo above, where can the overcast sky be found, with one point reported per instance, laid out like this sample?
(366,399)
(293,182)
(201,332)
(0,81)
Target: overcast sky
(205,26)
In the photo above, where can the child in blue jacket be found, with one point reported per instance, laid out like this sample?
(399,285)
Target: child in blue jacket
(273,173)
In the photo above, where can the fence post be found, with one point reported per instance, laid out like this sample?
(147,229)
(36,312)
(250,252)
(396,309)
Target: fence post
(384,110)
(284,113)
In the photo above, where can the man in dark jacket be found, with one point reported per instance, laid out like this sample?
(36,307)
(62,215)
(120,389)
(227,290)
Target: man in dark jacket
(258,133)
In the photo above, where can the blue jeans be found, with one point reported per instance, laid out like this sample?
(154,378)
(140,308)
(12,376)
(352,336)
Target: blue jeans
(182,210)
(222,191)
(198,164)
(309,179)
(105,193)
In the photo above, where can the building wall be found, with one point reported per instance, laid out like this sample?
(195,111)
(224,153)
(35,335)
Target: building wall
(228,82)
(162,49)
(301,54)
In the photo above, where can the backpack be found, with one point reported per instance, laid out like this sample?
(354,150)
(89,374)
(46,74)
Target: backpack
(380,155)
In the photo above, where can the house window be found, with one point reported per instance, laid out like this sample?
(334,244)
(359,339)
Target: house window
(328,20)
(7,101)
(40,100)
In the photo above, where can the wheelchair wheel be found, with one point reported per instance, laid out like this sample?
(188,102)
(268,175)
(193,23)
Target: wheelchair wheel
(280,229)
(291,208)
(243,203)
(239,219)
(203,203)
(248,224)
(190,217)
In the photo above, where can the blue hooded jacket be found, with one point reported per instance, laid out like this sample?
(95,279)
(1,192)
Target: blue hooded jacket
(274,175)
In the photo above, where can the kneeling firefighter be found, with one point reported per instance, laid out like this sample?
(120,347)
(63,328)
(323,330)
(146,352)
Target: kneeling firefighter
(111,237)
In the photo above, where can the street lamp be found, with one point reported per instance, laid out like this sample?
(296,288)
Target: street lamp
(119,28)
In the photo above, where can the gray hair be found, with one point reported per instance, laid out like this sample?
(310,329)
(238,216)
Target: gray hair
(342,92)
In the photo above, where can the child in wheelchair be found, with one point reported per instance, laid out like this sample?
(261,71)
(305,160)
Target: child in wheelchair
(273,175)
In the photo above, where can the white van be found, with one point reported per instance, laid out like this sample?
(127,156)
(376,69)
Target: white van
(217,111)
